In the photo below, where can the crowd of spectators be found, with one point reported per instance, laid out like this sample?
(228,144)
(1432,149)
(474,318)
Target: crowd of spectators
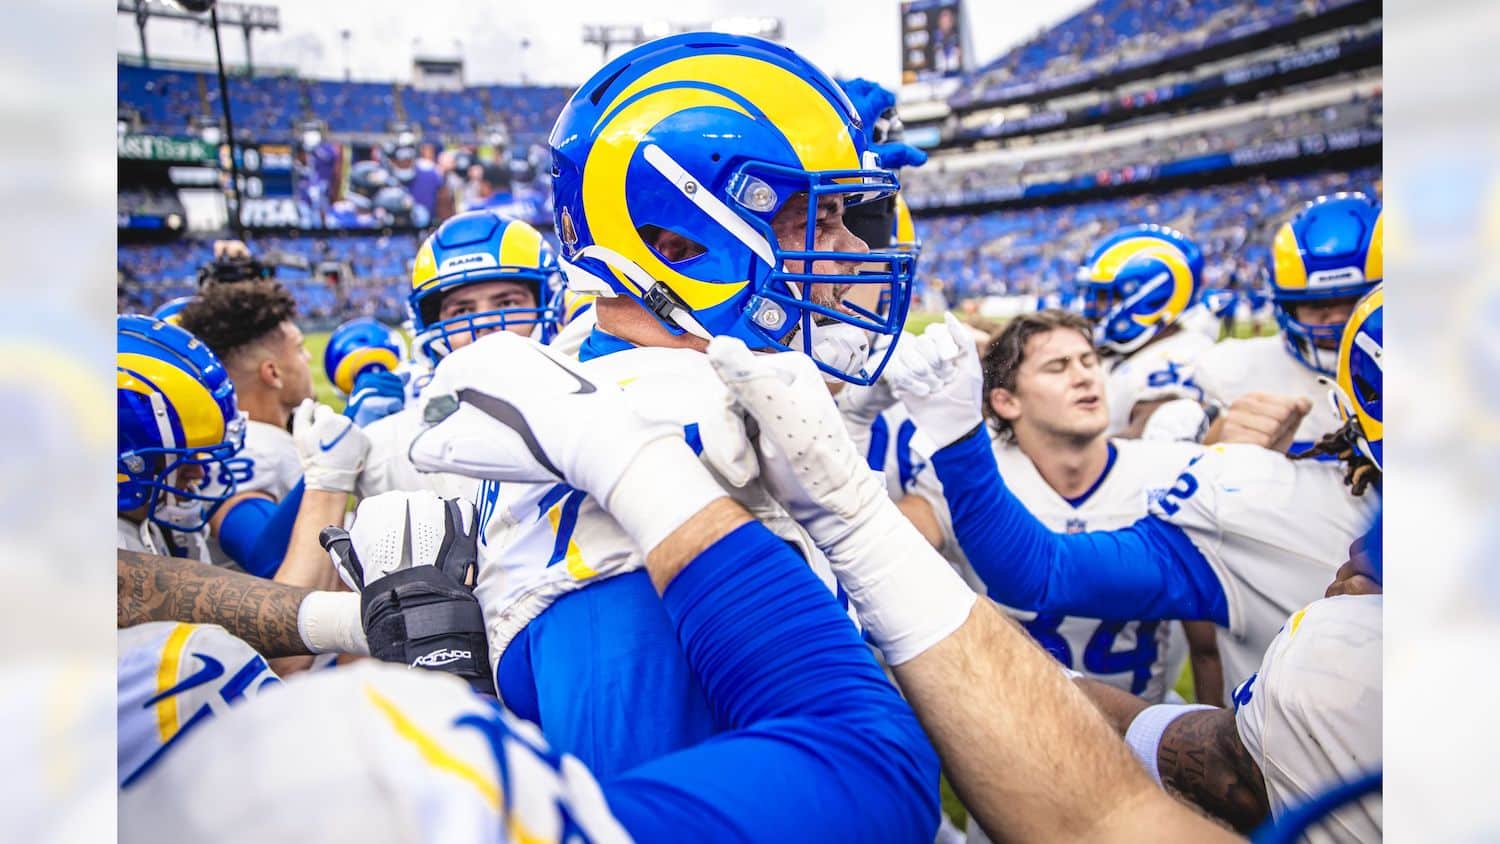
(1111,33)
(1036,251)
(1031,251)
(272,107)
(944,181)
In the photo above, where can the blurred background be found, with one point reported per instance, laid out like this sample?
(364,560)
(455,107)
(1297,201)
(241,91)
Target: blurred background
(358,125)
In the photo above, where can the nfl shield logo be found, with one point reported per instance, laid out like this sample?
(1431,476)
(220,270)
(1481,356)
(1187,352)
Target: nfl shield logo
(1077,526)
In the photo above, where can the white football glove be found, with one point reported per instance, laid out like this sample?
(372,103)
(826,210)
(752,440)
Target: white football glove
(412,557)
(506,408)
(400,530)
(332,448)
(937,375)
(906,595)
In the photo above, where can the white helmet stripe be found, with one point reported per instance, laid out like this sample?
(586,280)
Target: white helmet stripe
(1370,347)
(709,204)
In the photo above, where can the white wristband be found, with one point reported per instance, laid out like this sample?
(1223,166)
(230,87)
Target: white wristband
(329,622)
(664,486)
(1145,732)
(906,595)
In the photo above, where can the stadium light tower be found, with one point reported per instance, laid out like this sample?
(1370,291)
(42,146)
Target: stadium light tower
(606,36)
(244,15)
(249,17)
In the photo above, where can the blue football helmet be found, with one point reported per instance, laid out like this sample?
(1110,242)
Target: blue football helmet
(358,346)
(170,312)
(709,136)
(176,413)
(1358,382)
(1333,249)
(473,247)
(1137,282)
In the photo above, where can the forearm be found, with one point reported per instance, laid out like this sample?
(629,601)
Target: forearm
(263,613)
(276,619)
(1025,751)
(1148,571)
(306,563)
(1198,756)
(256,533)
(1202,759)
(1208,669)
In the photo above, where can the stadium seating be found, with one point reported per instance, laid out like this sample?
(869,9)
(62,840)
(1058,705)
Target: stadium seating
(352,106)
(1026,251)
(167,100)
(1117,33)
(1035,250)
(270,107)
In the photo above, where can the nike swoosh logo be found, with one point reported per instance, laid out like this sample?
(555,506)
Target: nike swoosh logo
(584,386)
(336,440)
(212,669)
(510,416)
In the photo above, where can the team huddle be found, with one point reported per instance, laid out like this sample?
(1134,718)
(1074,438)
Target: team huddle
(676,533)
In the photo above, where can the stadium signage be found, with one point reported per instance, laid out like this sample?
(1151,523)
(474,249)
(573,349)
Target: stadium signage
(163,148)
(269,212)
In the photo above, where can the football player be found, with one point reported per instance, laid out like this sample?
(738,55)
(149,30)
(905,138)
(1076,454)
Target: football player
(1221,545)
(301,456)
(365,362)
(1047,408)
(683,235)
(1322,261)
(817,742)
(1142,284)
(180,437)
(1307,720)
(478,273)
(174,678)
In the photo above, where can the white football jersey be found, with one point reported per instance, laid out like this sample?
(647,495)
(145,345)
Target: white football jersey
(1262,364)
(173,678)
(1130,655)
(1162,370)
(275,467)
(146,537)
(368,752)
(1275,530)
(417,375)
(150,538)
(1311,716)
(572,336)
(542,541)
(387,466)
(899,451)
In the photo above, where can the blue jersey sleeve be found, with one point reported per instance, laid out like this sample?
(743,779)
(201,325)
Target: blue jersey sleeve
(1149,570)
(256,532)
(818,745)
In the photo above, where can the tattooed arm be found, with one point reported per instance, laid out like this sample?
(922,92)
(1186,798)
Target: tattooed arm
(1200,757)
(262,612)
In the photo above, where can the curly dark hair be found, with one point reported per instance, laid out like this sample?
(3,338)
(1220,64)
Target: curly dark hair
(230,318)
(1005,354)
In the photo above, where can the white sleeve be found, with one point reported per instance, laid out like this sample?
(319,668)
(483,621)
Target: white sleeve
(382,463)
(1311,716)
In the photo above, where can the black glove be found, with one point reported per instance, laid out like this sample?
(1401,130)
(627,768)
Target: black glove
(422,616)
